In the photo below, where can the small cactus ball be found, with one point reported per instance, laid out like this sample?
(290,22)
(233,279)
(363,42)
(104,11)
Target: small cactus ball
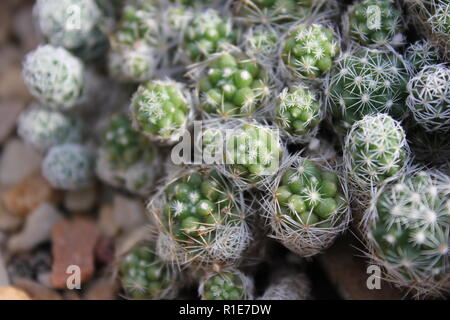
(421,54)
(366,82)
(298,111)
(73,24)
(310,195)
(202,213)
(409,230)
(309,50)
(375,150)
(43,128)
(234,86)
(429,98)
(261,43)
(127,158)
(54,76)
(144,275)
(225,285)
(69,167)
(209,32)
(375,22)
(161,109)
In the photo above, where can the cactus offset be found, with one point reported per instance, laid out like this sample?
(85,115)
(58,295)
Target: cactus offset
(228,284)
(421,54)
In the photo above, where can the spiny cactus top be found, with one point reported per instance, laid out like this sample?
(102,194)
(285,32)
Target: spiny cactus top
(73,24)
(126,157)
(209,32)
(261,43)
(133,55)
(421,54)
(69,167)
(440,18)
(307,206)
(375,150)
(429,98)
(308,50)
(161,110)
(226,285)
(298,111)
(409,230)
(44,128)
(54,76)
(366,82)
(375,22)
(145,276)
(234,86)
(204,217)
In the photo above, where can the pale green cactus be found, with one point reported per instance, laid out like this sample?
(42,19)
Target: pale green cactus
(429,98)
(54,77)
(126,158)
(161,110)
(409,231)
(375,23)
(202,219)
(421,54)
(308,50)
(43,128)
(261,43)
(366,82)
(77,25)
(69,167)
(144,275)
(228,284)
(375,151)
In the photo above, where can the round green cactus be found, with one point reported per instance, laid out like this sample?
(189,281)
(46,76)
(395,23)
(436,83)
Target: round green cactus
(363,83)
(134,54)
(69,167)
(233,86)
(307,206)
(409,231)
(375,150)
(161,110)
(145,276)
(429,96)
(421,54)
(202,218)
(43,128)
(77,25)
(55,77)
(207,33)
(308,50)
(298,113)
(127,158)
(228,284)
(375,23)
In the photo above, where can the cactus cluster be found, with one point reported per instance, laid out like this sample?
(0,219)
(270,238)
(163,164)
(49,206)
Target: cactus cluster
(203,219)
(43,128)
(409,230)
(366,82)
(55,77)
(297,112)
(421,54)
(307,206)
(233,86)
(308,50)
(69,166)
(145,276)
(375,23)
(77,25)
(161,110)
(127,158)
(228,284)
(429,98)
(261,43)
(375,150)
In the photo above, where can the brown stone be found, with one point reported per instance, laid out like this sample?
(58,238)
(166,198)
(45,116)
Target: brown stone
(129,213)
(9,222)
(9,111)
(29,194)
(347,271)
(37,291)
(13,293)
(102,289)
(73,244)
(12,85)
